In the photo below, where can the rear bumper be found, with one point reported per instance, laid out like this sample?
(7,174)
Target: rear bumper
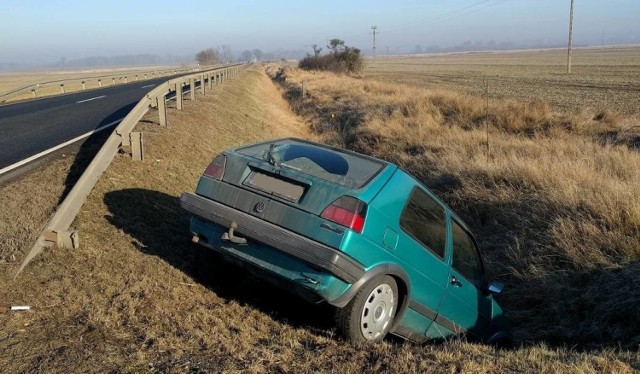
(288,242)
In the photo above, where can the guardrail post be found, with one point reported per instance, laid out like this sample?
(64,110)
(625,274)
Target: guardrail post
(192,88)
(125,80)
(179,95)
(62,87)
(63,239)
(132,144)
(210,81)
(137,146)
(33,92)
(113,81)
(202,84)
(162,110)
(84,87)
(99,82)
(145,76)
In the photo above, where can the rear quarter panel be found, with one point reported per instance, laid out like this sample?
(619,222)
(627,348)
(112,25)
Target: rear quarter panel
(427,273)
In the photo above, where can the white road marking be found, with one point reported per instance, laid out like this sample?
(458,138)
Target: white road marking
(93,98)
(46,152)
(149,85)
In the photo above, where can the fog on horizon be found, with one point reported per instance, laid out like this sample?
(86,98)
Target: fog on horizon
(46,32)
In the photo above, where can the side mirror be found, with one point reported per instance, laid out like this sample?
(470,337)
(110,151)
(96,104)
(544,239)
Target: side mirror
(495,287)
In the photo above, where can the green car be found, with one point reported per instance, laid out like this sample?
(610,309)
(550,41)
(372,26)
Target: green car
(350,230)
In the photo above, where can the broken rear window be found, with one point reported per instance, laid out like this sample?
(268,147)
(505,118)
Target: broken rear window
(347,169)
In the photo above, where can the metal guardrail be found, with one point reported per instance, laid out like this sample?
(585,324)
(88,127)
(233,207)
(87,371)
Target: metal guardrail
(56,230)
(115,79)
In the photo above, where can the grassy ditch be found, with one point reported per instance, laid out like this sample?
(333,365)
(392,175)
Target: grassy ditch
(139,297)
(556,210)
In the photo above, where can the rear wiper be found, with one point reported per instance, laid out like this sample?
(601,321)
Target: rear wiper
(269,156)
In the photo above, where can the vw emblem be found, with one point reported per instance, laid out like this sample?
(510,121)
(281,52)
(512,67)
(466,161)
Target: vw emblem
(259,207)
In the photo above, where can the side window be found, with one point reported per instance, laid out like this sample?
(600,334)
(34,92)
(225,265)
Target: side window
(466,259)
(425,221)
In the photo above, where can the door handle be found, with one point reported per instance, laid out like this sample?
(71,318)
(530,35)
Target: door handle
(455,282)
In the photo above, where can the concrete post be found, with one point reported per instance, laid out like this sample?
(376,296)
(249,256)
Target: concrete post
(192,88)
(99,82)
(162,111)
(202,84)
(179,95)
(113,81)
(62,87)
(84,87)
(210,81)
(125,80)
(145,76)
(136,76)
(33,92)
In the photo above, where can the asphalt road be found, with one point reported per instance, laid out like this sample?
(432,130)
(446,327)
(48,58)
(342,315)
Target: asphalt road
(31,127)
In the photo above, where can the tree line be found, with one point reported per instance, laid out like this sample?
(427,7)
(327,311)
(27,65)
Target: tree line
(224,54)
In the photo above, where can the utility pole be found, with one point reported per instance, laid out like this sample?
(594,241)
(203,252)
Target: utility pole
(570,39)
(374,41)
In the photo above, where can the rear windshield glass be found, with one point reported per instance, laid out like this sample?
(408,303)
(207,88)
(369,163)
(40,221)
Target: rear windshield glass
(348,170)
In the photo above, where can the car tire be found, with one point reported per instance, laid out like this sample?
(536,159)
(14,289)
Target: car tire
(369,316)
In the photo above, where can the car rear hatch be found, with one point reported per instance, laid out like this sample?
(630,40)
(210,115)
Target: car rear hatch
(290,183)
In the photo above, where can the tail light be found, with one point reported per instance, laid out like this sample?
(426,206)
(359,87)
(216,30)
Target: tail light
(215,169)
(347,211)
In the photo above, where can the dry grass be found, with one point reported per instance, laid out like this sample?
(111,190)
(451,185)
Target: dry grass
(139,297)
(602,78)
(72,80)
(557,211)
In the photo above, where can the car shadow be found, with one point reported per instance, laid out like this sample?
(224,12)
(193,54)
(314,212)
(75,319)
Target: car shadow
(161,228)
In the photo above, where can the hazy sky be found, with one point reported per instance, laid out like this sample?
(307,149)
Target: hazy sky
(37,31)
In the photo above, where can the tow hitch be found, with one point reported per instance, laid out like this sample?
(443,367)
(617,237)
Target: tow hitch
(228,236)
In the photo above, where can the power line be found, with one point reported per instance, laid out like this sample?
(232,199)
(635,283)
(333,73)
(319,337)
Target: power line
(445,16)
(442,17)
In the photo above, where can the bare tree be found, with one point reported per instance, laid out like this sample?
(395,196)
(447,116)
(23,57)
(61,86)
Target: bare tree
(225,53)
(208,56)
(245,56)
(258,54)
(316,50)
(336,45)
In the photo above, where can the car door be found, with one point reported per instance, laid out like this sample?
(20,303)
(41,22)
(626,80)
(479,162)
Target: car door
(466,307)
(421,249)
